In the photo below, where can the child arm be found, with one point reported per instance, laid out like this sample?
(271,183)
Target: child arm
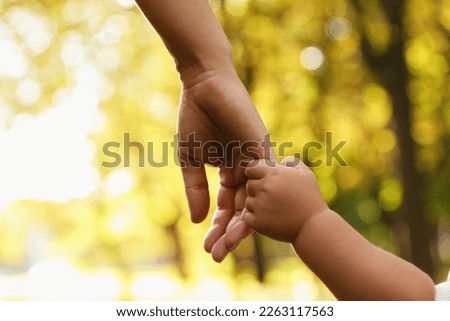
(285,204)
(353,268)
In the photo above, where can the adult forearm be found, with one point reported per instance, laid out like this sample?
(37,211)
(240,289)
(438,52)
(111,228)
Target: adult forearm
(355,269)
(191,33)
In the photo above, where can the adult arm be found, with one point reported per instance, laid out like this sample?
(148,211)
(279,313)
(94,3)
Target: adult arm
(215,106)
(192,35)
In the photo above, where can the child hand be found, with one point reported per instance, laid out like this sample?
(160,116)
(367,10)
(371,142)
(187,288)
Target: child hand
(281,198)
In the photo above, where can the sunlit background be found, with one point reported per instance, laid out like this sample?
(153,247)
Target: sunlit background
(75,75)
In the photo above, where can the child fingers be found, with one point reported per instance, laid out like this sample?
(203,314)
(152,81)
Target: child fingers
(250,219)
(259,168)
(250,203)
(251,187)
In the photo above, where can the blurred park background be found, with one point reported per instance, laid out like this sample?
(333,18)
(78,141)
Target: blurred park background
(75,75)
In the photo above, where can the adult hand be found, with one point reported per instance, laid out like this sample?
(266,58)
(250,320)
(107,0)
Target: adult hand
(215,107)
(216,110)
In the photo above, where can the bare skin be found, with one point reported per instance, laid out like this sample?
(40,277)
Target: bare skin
(215,106)
(285,203)
(282,203)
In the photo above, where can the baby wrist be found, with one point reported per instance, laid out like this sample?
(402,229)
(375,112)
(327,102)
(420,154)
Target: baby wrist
(312,222)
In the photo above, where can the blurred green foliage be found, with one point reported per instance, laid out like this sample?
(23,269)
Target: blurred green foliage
(306,65)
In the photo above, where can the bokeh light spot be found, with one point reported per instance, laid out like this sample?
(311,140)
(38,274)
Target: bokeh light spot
(28,92)
(368,211)
(119,181)
(384,140)
(391,194)
(126,3)
(425,132)
(12,61)
(339,28)
(312,58)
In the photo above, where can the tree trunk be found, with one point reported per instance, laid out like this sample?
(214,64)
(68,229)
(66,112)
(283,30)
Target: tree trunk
(391,70)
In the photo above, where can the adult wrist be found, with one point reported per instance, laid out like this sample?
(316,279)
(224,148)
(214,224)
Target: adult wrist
(200,66)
